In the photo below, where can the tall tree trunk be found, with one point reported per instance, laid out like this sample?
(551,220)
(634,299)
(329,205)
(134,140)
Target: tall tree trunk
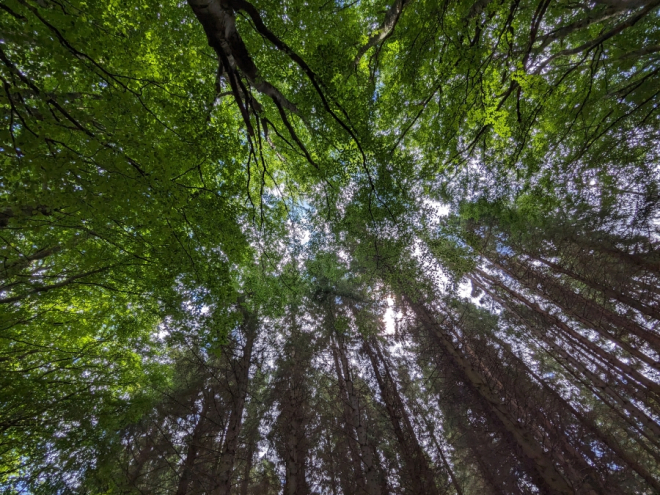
(487,474)
(591,314)
(509,390)
(548,473)
(331,461)
(645,384)
(588,423)
(382,473)
(349,427)
(600,353)
(295,445)
(142,458)
(637,420)
(293,391)
(422,480)
(241,372)
(356,422)
(187,472)
(249,458)
(438,447)
(608,292)
(644,261)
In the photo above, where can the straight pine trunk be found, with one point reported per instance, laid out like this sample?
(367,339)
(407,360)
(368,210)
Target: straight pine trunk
(593,382)
(193,449)
(547,472)
(242,377)
(356,422)
(416,463)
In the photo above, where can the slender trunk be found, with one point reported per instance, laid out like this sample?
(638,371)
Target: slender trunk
(438,447)
(544,466)
(193,449)
(487,474)
(645,384)
(622,256)
(145,453)
(589,424)
(650,428)
(596,384)
(331,461)
(359,429)
(596,350)
(350,428)
(576,459)
(249,457)
(343,460)
(382,473)
(242,376)
(583,309)
(296,447)
(421,476)
(294,416)
(606,291)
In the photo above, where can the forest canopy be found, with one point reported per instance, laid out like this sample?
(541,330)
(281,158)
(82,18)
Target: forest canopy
(379,247)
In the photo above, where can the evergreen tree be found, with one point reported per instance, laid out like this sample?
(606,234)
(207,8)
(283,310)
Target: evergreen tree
(402,247)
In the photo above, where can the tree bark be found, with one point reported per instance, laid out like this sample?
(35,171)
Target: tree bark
(544,466)
(606,291)
(509,390)
(385,30)
(241,376)
(349,419)
(438,447)
(193,449)
(584,310)
(645,384)
(356,423)
(416,463)
(296,446)
(645,425)
(249,457)
(589,424)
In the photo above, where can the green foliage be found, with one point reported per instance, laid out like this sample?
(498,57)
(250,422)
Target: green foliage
(147,199)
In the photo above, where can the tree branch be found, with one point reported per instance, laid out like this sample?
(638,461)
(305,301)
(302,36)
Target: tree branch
(604,37)
(385,30)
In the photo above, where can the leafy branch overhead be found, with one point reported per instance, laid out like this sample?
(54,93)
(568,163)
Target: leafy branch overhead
(330,246)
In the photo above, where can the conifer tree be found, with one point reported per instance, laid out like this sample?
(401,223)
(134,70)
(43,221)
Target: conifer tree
(387,247)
